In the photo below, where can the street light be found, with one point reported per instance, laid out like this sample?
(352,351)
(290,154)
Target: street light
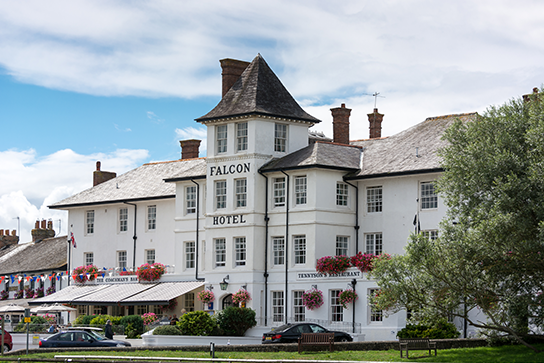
(224,284)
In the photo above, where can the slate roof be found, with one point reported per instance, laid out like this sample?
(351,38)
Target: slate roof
(319,154)
(143,183)
(258,92)
(34,257)
(411,151)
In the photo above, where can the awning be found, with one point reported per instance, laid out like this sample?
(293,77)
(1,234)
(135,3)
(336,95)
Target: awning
(121,294)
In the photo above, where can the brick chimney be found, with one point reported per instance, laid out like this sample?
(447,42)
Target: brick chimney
(232,70)
(41,232)
(340,124)
(100,177)
(375,119)
(6,239)
(189,148)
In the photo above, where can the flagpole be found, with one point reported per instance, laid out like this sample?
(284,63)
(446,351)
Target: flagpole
(70,254)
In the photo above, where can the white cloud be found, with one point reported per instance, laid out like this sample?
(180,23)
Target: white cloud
(33,183)
(193,133)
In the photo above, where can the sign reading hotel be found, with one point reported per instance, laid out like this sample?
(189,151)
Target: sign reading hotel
(234,219)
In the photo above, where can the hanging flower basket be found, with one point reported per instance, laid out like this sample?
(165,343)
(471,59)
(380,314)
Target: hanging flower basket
(312,299)
(241,296)
(206,296)
(38,293)
(332,264)
(347,297)
(149,318)
(19,294)
(85,273)
(147,272)
(4,295)
(50,290)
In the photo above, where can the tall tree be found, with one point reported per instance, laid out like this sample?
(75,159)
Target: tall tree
(489,257)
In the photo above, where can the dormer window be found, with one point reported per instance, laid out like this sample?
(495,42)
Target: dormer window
(221,139)
(280,138)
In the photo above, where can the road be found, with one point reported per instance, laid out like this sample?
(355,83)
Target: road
(19,340)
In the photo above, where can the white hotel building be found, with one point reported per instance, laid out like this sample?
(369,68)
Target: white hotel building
(266,203)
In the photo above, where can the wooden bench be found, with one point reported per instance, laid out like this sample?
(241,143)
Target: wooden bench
(416,344)
(313,339)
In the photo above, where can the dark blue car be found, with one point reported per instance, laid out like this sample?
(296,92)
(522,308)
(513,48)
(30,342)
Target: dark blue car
(80,339)
(289,333)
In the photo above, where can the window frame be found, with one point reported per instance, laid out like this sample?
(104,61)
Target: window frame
(150,253)
(190,254)
(119,260)
(427,196)
(278,251)
(89,221)
(241,136)
(374,315)
(280,137)
(190,199)
(342,194)
(374,199)
(123,220)
(278,306)
(301,190)
(279,191)
(240,251)
(299,249)
(221,138)
(240,191)
(89,258)
(375,241)
(220,252)
(220,198)
(336,308)
(151,217)
(299,310)
(342,244)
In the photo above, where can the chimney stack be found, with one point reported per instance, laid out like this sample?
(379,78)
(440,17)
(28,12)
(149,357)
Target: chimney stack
(232,70)
(6,239)
(40,231)
(375,119)
(189,148)
(340,124)
(100,177)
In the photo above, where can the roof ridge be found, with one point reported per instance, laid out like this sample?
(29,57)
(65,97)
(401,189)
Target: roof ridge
(337,143)
(451,115)
(172,161)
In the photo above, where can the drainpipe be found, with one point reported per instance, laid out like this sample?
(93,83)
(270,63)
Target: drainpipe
(266,219)
(285,299)
(135,237)
(197,227)
(354,281)
(356,216)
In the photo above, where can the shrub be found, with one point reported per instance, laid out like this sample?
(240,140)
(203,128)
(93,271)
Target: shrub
(167,330)
(83,320)
(136,322)
(439,330)
(236,321)
(37,324)
(197,323)
(100,320)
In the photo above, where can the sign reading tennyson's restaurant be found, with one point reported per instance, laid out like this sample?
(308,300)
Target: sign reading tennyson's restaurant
(319,275)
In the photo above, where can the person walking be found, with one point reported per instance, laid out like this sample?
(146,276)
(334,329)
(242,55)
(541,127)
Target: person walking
(108,331)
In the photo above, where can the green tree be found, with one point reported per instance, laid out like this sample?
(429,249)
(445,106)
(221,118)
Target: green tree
(490,253)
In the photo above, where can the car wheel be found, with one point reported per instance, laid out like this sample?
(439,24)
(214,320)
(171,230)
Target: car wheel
(344,339)
(6,348)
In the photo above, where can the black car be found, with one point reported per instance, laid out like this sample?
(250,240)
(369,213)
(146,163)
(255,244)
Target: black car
(80,338)
(289,333)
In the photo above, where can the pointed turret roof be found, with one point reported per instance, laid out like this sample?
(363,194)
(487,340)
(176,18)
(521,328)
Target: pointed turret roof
(258,92)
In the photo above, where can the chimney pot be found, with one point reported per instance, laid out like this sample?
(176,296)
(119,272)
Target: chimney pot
(14,232)
(340,124)
(1,232)
(43,224)
(232,70)
(98,166)
(37,224)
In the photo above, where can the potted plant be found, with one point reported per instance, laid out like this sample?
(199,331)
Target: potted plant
(82,274)
(4,295)
(241,297)
(150,272)
(347,297)
(38,292)
(206,296)
(50,290)
(363,261)
(312,299)
(332,264)
(19,294)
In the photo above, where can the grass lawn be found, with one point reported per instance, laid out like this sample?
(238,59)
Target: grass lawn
(469,355)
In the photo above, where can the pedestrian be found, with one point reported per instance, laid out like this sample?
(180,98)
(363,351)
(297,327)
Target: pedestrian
(108,332)
(174,320)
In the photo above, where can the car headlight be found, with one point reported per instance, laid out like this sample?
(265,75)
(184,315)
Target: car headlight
(120,345)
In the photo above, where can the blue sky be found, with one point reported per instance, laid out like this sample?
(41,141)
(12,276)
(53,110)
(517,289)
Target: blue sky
(122,82)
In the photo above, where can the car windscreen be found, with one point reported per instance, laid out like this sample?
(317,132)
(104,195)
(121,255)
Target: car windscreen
(96,335)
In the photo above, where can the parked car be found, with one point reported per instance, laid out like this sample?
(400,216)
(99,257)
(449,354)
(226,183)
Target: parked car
(289,333)
(80,338)
(8,342)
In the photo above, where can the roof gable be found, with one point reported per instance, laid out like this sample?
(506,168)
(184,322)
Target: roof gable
(258,92)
